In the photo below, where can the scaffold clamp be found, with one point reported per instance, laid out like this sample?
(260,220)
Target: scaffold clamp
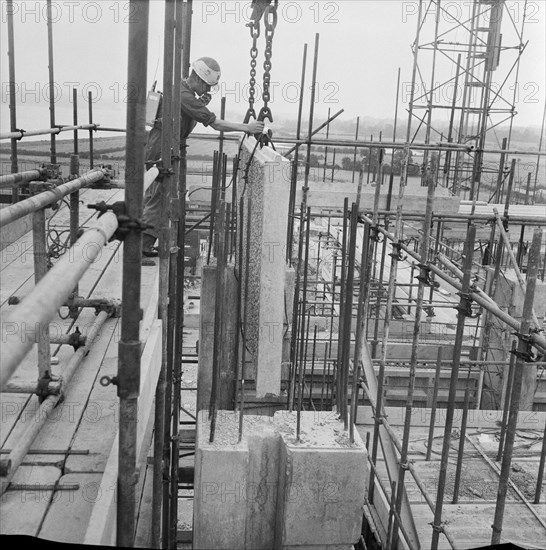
(439,528)
(396,253)
(374,234)
(126,224)
(465,305)
(424,276)
(526,355)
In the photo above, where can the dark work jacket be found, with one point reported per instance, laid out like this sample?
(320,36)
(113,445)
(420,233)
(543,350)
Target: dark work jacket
(192,111)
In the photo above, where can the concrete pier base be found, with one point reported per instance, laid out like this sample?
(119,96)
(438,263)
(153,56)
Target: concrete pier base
(273,491)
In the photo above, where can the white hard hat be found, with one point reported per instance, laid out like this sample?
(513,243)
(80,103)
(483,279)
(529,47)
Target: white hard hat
(207,69)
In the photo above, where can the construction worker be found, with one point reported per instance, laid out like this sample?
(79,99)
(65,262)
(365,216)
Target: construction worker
(194,96)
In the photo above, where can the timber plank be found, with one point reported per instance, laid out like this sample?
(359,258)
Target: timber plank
(22,511)
(67,517)
(101,528)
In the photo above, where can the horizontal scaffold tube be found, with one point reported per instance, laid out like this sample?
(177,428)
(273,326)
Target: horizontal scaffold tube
(9,465)
(414,146)
(12,180)
(486,303)
(20,134)
(41,200)
(34,313)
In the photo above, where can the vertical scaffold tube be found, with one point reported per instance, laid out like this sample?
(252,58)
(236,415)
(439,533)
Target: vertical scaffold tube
(459,335)
(523,351)
(129,346)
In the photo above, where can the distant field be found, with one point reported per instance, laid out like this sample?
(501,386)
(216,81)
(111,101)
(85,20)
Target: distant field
(111,151)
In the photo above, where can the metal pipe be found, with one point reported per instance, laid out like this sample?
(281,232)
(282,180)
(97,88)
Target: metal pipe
(218,321)
(294,175)
(74,213)
(304,326)
(11,180)
(326,150)
(533,220)
(342,297)
(39,241)
(239,277)
(424,250)
(301,378)
(213,203)
(414,145)
(417,478)
(540,475)
(160,505)
(51,80)
(462,436)
(245,312)
(348,310)
(21,134)
(91,128)
(486,303)
(295,310)
(313,367)
(10,464)
(508,393)
(23,324)
(316,130)
(457,348)
(177,266)
(373,252)
(12,92)
(75,117)
(37,202)
(354,154)
(434,403)
(523,351)
(310,130)
(129,346)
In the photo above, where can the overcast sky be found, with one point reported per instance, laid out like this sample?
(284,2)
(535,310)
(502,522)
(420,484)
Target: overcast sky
(362,44)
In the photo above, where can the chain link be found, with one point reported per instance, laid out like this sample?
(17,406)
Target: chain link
(270,22)
(254,33)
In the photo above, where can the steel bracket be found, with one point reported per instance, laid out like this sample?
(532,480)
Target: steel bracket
(76,340)
(51,171)
(438,528)
(465,305)
(396,254)
(424,276)
(126,224)
(526,355)
(375,235)
(106,181)
(429,310)
(36,187)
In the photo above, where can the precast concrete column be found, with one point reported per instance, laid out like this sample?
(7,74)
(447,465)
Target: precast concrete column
(266,185)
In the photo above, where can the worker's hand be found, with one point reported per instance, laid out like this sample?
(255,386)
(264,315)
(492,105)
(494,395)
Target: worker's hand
(255,127)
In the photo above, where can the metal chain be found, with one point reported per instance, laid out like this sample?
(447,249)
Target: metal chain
(270,22)
(254,33)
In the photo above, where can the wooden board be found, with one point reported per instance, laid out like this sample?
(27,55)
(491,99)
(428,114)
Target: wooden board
(101,529)
(22,511)
(67,517)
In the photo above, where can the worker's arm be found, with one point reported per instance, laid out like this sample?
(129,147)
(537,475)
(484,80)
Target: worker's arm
(255,127)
